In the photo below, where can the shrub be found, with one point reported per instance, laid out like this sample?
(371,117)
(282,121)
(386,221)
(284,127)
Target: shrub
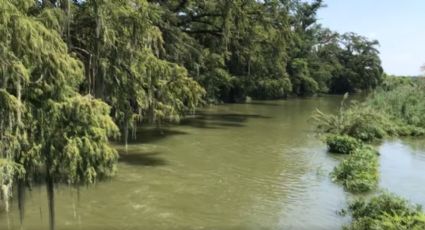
(358,172)
(365,123)
(342,143)
(358,121)
(385,211)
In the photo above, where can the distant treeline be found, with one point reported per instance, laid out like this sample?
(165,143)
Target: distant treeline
(263,49)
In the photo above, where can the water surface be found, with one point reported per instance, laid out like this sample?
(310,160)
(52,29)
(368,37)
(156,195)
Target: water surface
(237,166)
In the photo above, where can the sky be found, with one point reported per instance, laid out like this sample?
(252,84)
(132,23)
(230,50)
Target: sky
(398,25)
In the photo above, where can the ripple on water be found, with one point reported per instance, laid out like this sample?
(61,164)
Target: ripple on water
(402,168)
(236,166)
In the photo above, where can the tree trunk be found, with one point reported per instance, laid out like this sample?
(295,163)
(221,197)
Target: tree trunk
(50,197)
(21,200)
(66,6)
(126,135)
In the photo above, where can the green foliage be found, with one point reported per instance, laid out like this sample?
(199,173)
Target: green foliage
(40,78)
(300,76)
(240,40)
(272,88)
(342,144)
(385,211)
(364,121)
(361,66)
(46,127)
(367,124)
(9,171)
(212,75)
(359,171)
(402,99)
(121,48)
(80,152)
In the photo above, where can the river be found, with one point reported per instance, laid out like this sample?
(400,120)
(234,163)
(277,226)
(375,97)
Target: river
(234,166)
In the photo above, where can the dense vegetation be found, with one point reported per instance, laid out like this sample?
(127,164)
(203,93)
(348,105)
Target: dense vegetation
(396,108)
(74,74)
(386,211)
(342,143)
(264,49)
(359,171)
(402,101)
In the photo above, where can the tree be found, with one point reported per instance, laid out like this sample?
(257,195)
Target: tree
(46,123)
(121,49)
(361,65)
(230,46)
(263,49)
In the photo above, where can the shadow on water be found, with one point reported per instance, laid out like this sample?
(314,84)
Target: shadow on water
(217,121)
(262,103)
(203,124)
(142,159)
(153,134)
(201,120)
(231,117)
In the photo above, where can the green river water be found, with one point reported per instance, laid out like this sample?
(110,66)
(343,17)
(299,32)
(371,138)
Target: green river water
(235,166)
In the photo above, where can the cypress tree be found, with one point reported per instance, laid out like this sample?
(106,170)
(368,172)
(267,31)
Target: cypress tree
(47,123)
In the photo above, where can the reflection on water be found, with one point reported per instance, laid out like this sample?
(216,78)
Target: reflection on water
(238,166)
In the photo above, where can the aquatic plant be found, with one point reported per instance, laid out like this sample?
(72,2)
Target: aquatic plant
(342,143)
(365,122)
(385,211)
(359,171)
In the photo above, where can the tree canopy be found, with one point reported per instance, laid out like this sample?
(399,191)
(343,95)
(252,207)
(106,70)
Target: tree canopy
(265,49)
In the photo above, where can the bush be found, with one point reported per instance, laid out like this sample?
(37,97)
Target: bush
(342,144)
(358,172)
(358,121)
(385,211)
(365,123)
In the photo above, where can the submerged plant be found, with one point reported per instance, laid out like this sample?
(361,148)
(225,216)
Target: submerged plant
(358,172)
